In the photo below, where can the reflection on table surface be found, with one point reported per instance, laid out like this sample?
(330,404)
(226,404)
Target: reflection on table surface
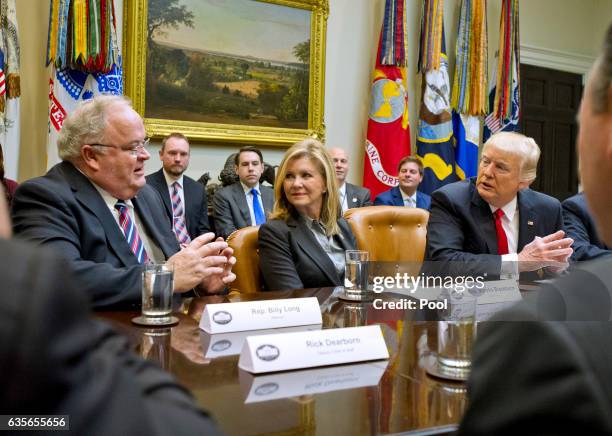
(395,396)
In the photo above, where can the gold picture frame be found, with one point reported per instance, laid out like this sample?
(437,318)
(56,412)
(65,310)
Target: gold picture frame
(135,46)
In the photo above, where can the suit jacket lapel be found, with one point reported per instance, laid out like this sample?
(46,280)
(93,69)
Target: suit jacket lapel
(527,220)
(483,218)
(241,202)
(397,197)
(90,198)
(145,215)
(190,203)
(307,241)
(267,196)
(159,182)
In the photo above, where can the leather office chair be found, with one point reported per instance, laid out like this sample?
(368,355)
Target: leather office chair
(246,250)
(391,234)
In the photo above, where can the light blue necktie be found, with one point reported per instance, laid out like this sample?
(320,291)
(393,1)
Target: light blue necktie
(260,216)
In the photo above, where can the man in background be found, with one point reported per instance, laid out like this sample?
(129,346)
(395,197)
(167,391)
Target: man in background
(185,199)
(410,174)
(95,210)
(556,377)
(350,195)
(245,202)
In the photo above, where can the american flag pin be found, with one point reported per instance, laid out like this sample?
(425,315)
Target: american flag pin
(529,223)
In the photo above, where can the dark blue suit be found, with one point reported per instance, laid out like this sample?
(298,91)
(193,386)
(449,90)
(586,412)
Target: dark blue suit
(393,197)
(461,226)
(578,224)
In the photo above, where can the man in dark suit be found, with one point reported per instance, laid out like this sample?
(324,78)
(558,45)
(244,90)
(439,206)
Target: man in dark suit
(95,210)
(184,198)
(351,196)
(494,224)
(579,226)
(410,175)
(556,377)
(246,202)
(56,360)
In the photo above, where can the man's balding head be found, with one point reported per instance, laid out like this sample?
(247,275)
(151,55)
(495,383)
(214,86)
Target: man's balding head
(340,159)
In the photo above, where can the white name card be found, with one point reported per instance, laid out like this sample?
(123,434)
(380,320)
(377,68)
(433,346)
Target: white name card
(230,344)
(500,291)
(310,381)
(281,352)
(258,315)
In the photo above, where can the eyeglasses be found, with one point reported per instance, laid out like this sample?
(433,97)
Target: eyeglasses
(132,150)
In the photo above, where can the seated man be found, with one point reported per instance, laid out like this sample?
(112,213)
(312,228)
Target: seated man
(410,174)
(185,199)
(580,227)
(246,202)
(350,195)
(64,363)
(95,210)
(554,377)
(493,223)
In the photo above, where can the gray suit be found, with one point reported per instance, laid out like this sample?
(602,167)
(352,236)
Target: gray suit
(231,209)
(356,196)
(290,257)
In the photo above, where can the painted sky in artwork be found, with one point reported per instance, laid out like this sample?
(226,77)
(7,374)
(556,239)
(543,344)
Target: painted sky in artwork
(243,27)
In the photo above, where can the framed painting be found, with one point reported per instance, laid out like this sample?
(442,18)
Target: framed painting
(245,71)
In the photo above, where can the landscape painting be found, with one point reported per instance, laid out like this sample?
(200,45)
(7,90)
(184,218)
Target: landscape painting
(229,62)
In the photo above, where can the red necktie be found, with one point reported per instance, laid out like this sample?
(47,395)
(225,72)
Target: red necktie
(502,239)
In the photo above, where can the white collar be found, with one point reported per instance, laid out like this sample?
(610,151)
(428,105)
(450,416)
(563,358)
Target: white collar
(247,190)
(413,197)
(170,180)
(109,199)
(342,189)
(509,208)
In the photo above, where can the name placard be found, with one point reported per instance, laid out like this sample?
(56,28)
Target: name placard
(310,381)
(230,344)
(281,352)
(258,315)
(500,291)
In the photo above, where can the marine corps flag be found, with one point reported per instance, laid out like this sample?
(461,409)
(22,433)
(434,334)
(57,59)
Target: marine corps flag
(388,138)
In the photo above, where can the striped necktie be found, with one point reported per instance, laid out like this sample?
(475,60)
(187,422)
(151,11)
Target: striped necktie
(131,232)
(178,215)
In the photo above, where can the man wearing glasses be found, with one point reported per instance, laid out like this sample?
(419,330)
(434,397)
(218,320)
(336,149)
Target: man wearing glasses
(95,210)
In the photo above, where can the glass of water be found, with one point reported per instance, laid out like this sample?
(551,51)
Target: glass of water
(456,332)
(157,287)
(356,275)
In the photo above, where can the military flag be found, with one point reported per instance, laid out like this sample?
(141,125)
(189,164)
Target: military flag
(435,128)
(82,48)
(10,88)
(388,137)
(504,94)
(469,98)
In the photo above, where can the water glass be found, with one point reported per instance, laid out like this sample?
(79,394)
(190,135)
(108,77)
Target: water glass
(356,274)
(157,287)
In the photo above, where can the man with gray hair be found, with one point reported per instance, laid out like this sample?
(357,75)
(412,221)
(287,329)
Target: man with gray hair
(494,223)
(95,210)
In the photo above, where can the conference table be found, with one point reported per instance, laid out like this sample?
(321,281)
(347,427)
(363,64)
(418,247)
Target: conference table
(381,397)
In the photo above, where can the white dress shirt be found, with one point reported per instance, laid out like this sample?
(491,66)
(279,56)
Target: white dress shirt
(249,198)
(153,251)
(169,181)
(342,195)
(510,224)
(409,200)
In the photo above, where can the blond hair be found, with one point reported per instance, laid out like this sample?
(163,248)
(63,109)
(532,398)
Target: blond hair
(319,156)
(519,145)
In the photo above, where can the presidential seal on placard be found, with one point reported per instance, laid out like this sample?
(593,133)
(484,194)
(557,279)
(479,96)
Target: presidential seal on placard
(267,352)
(222,317)
(388,100)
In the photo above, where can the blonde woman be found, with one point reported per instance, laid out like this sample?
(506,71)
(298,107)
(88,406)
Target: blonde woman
(303,242)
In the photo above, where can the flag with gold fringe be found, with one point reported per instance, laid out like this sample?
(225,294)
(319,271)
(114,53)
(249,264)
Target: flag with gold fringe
(10,88)
(83,51)
(435,128)
(388,137)
(469,98)
(504,95)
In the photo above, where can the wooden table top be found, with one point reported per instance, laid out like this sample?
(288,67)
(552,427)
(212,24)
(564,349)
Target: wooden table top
(405,399)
